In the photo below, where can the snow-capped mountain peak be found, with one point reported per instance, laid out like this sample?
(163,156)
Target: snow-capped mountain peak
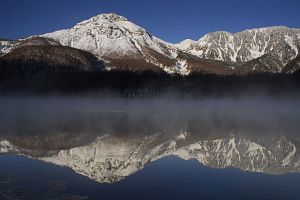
(111,17)
(112,37)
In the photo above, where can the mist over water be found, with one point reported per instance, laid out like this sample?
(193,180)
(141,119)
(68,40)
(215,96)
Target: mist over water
(246,115)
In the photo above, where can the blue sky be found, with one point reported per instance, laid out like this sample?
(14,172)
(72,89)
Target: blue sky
(171,20)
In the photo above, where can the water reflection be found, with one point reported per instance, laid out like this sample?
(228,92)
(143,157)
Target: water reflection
(109,140)
(110,158)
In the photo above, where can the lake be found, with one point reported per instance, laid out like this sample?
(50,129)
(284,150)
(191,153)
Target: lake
(111,148)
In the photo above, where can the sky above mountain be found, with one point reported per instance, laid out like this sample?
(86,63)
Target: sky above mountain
(171,20)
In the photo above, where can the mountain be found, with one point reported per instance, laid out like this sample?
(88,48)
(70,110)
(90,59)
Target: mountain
(111,158)
(262,49)
(125,46)
(120,42)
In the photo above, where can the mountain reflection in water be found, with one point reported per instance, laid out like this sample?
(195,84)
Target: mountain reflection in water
(109,140)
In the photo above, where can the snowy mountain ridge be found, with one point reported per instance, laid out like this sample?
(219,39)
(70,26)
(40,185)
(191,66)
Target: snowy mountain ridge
(124,45)
(109,36)
(280,41)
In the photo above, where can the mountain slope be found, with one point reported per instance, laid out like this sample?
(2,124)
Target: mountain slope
(40,55)
(54,56)
(293,65)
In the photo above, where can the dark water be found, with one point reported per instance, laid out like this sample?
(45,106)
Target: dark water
(87,148)
(167,178)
